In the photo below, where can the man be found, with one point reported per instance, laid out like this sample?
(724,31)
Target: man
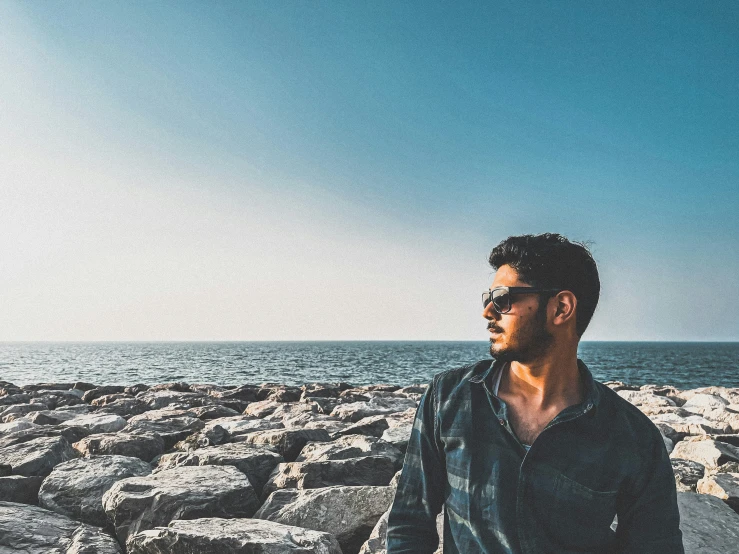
(528,454)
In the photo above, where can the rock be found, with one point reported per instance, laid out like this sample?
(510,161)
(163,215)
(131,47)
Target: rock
(179,386)
(52,417)
(97,392)
(290,410)
(21,410)
(123,406)
(354,411)
(83,386)
(350,446)
(56,399)
(687,473)
(231,536)
(38,456)
(33,530)
(17,425)
(158,399)
(369,471)
(98,423)
(210,436)
(10,399)
(349,513)
(373,426)
(133,390)
(72,434)
(710,453)
(18,488)
(288,442)
(721,485)
(75,488)
(640,397)
(709,526)
(398,436)
(144,446)
(700,402)
(139,503)
(257,463)
(171,430)
(213,412)
(691,425)
(238,426)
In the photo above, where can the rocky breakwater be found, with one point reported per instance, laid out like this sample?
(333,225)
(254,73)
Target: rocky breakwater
(270,468)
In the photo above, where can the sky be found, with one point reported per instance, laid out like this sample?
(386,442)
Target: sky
(340,171)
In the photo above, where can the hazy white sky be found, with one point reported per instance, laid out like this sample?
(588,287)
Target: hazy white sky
(167,176)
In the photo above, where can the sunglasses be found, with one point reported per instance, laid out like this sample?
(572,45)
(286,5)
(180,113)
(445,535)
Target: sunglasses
(501,296)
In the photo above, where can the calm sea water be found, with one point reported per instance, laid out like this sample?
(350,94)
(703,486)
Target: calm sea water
(684,365)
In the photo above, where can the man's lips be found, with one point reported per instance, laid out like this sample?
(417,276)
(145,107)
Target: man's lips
(495,330)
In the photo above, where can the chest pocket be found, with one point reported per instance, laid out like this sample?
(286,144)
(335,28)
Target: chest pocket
(571,516)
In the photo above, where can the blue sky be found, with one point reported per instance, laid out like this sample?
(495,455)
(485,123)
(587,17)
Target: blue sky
(318,170)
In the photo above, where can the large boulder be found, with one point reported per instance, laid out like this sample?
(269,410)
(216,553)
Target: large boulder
(687,474)
(710,453)
(369,471)
(721,485)
(76,488)
(349,446)
(98,423)
(32,530)
(709,526)
(257,463)
(139,503)
(377,541)
(349,513)
(38,456)
(171,430)
(144,446)
(288,442)
(354,411)
(231,536)
(17,488)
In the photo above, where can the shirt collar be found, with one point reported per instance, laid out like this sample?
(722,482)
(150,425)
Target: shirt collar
(592,392)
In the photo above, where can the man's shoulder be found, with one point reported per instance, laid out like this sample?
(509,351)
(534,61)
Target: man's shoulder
(625,418)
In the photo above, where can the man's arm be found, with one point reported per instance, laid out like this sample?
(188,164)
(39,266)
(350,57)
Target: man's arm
(411,526)
(648,516)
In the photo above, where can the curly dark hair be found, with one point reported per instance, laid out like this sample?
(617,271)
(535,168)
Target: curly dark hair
(551,261)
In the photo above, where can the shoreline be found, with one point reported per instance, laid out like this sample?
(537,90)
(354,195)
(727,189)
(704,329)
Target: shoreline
(117,464)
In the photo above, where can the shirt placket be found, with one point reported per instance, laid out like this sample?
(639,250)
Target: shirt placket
(567,414)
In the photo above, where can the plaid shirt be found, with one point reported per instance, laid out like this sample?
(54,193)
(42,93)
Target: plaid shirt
(597,459)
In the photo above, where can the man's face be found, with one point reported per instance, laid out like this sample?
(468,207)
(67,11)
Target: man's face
(521,334)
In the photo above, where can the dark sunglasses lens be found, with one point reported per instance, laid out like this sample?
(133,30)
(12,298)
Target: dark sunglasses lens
(502,301)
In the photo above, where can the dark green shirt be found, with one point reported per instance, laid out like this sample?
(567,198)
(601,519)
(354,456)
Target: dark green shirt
(595,460)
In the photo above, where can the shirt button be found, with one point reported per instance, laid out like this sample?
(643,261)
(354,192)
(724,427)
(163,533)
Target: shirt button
(502,421)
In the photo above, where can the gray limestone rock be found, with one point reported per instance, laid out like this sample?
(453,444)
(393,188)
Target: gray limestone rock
(710,453)
(687,473)
(231,536)
(257,463)
(349,513)
(144,446)
(171,430)
(349,446)
(354,411)
(721,485)
(75,488)
(18,488)
(38,456)
(709,526)
(139,503)
(34,530)
(98,423)
(370,471)
(288,442)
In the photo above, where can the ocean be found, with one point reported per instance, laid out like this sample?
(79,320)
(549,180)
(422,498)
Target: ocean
(682,364)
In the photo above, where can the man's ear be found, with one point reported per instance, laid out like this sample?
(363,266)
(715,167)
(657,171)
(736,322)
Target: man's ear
(564,308)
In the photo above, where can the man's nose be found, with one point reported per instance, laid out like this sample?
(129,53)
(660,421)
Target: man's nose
(490,313)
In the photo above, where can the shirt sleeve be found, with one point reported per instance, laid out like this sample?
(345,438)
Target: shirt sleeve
(419,497)
(648,515)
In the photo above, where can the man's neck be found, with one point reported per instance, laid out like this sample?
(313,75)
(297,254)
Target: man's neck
(550,383)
